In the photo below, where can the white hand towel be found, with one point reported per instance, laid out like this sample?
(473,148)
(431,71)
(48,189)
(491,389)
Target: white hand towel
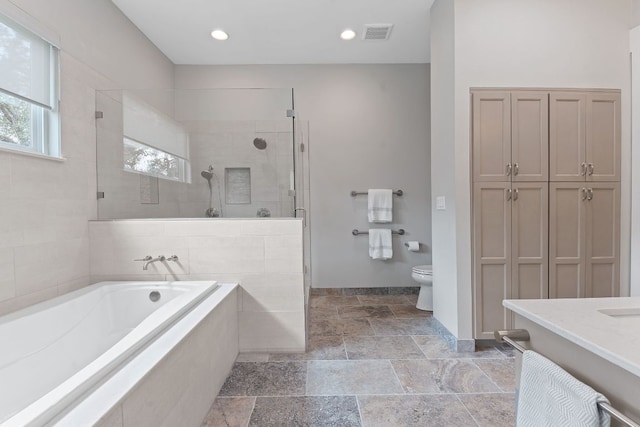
(380,205)
(550,397)
(380,243)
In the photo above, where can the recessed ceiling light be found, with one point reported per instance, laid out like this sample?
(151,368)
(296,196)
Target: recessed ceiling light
(219,35)
(348,34)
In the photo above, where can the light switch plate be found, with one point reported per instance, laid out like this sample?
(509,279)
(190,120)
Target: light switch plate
(440,203)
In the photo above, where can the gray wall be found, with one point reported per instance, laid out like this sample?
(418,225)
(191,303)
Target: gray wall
(368,128)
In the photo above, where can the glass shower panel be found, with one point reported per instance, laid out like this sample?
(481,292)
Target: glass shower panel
(185,143)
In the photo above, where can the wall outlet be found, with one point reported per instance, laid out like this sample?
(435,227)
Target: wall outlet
(440,203)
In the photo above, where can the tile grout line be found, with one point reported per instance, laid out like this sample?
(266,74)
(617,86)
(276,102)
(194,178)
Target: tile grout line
(359,411)
(485,374)
(468,412)
(253,407)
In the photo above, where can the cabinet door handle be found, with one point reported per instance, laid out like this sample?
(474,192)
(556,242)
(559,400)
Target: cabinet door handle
(589,194)
(515,194)
(516,169)
(583,169)
(590,167)
(508,194)
(508,169)
(584,194)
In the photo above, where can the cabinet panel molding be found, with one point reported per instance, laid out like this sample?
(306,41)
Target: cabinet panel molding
(491,136)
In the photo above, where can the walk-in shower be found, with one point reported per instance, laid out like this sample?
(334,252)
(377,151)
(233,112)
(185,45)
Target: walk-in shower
(206,152)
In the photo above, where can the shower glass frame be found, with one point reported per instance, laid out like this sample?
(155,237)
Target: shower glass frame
(221,125)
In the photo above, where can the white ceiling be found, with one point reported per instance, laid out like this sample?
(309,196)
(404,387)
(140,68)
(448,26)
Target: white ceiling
(282,31)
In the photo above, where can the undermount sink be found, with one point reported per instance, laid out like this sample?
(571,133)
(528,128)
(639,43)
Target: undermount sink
(625,313)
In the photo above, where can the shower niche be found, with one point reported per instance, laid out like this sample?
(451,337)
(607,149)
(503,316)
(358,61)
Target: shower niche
(198,154)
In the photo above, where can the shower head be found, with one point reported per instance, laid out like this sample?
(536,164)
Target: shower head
(260,143)
(207,174)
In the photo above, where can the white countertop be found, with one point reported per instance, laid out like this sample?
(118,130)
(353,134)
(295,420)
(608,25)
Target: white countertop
(614,337)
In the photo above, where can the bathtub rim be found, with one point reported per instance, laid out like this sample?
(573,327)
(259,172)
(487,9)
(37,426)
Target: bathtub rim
(48,406)
(98,403)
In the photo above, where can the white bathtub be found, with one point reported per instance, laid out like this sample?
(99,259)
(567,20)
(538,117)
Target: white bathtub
(55,354)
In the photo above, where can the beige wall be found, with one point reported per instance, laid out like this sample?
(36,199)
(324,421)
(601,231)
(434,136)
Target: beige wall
(369,128)
(501,43)
(263,255)
(46,204)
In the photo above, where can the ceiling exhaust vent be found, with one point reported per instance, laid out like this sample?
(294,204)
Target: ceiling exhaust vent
(377,31)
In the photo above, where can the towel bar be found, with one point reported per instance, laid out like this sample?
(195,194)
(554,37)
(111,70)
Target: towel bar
(356,232)
(512,335)
(357,193)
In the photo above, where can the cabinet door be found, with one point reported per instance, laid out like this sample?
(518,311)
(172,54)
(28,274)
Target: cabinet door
(491,136)
(603,136)
(567,136)
(492,257)
(567,226)
(603,240)
(530,136)
(530,240)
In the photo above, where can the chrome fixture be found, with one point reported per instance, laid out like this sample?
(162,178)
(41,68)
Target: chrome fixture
(158,258)
(260,143)
(357,232)
(208,174)
(149,259)
(510,336)
(357,193)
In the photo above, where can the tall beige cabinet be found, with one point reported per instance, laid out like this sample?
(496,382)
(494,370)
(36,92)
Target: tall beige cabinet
(510,208)
(584,220)
(545,198)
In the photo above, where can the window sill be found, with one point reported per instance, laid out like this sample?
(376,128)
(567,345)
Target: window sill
(32,154)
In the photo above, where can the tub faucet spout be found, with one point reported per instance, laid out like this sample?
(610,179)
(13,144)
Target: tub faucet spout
(149,261)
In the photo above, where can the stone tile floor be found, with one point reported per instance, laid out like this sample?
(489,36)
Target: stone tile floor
(373,360)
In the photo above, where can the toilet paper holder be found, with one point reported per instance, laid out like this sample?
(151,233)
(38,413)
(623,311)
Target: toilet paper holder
(413,246)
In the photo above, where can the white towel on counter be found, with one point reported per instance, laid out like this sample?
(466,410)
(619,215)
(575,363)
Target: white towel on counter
(550,397)
(380,205)
(380,244)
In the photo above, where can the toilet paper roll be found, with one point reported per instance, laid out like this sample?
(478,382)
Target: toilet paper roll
(413,246)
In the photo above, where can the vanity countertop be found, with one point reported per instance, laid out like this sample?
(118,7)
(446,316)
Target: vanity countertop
(608,327)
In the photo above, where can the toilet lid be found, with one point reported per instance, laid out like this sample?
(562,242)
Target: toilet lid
(423,269)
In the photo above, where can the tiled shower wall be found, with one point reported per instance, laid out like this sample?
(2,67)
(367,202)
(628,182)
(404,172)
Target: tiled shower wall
(263,255)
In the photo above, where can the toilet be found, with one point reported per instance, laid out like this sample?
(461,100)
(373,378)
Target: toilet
(423,274)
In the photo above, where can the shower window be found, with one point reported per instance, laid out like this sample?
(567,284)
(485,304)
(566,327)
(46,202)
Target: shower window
(141,158)
(28,91)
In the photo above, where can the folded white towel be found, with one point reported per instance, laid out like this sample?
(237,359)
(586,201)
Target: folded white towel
(380,205)
(550,397)
(380,243)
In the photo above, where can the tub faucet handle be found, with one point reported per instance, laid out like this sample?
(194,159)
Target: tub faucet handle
(147,258)
(173,258)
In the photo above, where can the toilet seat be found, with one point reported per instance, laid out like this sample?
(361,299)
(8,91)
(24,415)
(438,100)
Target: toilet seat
(426,270)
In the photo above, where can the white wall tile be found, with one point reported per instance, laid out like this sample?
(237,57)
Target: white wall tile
(275,331)
(273,292)
(38,267)
(7,275)
(23,301)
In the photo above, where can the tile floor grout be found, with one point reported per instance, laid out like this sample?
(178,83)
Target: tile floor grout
(337,339)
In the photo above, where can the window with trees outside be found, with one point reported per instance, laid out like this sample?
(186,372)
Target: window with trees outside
(29,119)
